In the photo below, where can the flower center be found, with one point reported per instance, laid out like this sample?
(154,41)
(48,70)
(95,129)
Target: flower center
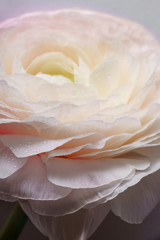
(52,64)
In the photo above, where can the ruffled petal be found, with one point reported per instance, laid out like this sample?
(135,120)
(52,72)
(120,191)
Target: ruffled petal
(82,135)
(89,174)
(9,162)
(30,182)
(136,202)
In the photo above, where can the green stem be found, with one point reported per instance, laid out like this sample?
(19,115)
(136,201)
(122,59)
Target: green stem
(14,224)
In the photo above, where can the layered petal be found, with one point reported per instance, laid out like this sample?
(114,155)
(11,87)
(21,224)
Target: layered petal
(84,221)
(79,119)
(31,182)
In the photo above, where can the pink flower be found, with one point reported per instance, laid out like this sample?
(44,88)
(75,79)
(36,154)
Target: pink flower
(79,119)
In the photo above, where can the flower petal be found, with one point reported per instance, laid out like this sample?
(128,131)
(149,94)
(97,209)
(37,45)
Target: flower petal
(9,162)
(84,221)
(30,182)
(136,202)
(89,174)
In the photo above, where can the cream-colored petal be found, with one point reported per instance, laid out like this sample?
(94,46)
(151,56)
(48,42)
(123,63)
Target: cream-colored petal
(53,64)
(24,146)
(105,77)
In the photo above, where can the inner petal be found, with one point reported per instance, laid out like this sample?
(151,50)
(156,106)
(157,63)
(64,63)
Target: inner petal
(52,64)
(117,74)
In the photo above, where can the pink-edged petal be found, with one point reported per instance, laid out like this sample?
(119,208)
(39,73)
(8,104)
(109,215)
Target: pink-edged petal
(24,146)
(29,145)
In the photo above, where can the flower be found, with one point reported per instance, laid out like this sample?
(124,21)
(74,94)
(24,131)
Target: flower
(79,119)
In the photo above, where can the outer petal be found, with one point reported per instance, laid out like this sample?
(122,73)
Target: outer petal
(79,225)
(31,182)
(9,162)
(88,174)
(74,201)
(136,202)
(24,146)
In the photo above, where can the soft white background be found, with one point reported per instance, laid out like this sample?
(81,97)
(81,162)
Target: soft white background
(146,12)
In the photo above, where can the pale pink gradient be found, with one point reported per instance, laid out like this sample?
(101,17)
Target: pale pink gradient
(7,143)
(144,11)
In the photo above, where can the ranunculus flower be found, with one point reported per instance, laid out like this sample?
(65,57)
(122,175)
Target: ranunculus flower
(79,119)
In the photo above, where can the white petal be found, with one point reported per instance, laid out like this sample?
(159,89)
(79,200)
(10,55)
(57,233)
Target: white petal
(9,162)
(85,222)
(105,77)
(24,146)
(128,204)
(76,200)
(31,182)
(18,67)
(81,73)
(89,174)
(135,203)
(54,79)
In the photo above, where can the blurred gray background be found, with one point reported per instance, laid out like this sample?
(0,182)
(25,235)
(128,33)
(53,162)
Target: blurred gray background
(146,12)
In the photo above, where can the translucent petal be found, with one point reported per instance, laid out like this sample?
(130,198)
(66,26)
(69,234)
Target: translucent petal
(85,222)
(9,162)
(89,174)
(31,182)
